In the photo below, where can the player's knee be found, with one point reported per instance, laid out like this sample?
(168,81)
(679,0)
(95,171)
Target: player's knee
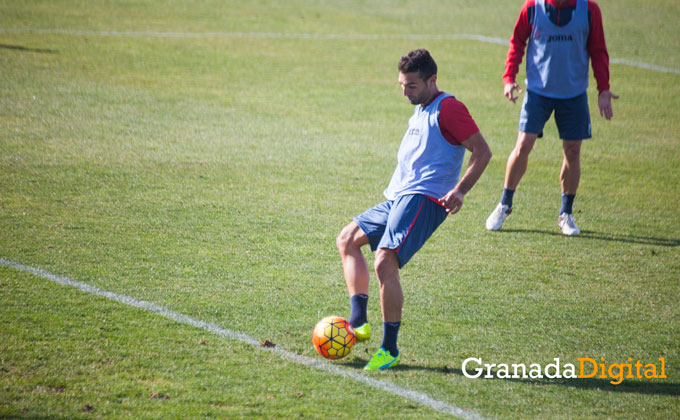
(341,241)
(572,151)
(386,264)
(524,148)
(525,143)
(345,240)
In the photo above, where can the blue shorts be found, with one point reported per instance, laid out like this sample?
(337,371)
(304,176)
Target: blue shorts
(572,115)
(402,225)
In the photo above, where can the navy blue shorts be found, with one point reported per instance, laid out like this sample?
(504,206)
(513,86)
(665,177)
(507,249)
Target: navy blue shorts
(572,115)
(402,225)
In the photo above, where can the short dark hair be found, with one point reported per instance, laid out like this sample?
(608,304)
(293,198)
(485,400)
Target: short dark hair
(418,61)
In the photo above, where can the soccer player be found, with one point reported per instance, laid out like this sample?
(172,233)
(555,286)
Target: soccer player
(563,35)
(424,189)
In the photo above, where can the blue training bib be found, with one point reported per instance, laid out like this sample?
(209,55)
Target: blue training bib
(557,56)
(426,163)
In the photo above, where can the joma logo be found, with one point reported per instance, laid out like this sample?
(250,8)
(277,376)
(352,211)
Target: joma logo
(560,38)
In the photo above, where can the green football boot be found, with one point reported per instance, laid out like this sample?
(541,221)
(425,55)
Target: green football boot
(363,332)
(381,360)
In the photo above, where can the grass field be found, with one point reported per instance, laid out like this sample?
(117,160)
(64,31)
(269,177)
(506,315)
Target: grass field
(203,156)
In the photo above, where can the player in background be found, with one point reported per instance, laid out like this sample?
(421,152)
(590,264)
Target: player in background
(562,35)
(424,189)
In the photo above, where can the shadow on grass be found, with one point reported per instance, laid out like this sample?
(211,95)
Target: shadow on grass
(633,387)
(21,416)
(602,236)
(26,49)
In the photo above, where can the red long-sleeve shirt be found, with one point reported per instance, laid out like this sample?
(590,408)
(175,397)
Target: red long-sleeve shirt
(560,14)
(455,121)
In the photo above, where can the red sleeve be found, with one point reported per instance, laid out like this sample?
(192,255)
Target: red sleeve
(455,121)
(518,43)
(597,48)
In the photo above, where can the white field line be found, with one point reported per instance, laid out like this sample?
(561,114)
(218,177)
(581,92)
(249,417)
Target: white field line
(265,35)
(283,35)
(318,364)
(642,65)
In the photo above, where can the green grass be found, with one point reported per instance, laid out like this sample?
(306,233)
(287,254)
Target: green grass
(211,175)
(88,357)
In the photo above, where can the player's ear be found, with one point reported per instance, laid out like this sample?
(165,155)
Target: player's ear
(432,79)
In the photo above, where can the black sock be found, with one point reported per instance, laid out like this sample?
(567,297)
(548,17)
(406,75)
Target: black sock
(390,332)
(506,199)
(567,203)
(358,316)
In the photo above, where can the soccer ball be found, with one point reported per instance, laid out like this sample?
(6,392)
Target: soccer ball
(333,337)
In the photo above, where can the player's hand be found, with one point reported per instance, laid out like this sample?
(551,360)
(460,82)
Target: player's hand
(604,102)
(509,90)
(453,201)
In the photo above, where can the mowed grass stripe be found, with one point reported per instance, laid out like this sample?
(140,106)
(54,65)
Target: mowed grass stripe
(385,386)
(283,35)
